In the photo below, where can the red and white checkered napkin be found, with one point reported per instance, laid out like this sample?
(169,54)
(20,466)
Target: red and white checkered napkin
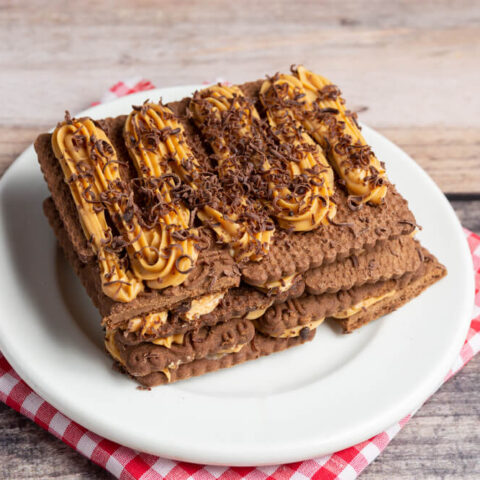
(126,463)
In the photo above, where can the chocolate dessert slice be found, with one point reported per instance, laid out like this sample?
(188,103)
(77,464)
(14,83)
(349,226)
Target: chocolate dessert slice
(229,225)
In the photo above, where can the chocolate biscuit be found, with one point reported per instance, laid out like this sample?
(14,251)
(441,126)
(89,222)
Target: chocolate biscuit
(205,198)
(391,259)
(144,358)
(260,346)
(350,232)
(433,271)
(237,302)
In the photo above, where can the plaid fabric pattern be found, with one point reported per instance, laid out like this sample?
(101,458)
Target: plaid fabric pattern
(126,464)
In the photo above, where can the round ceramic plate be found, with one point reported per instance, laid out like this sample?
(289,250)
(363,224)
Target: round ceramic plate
(312,400)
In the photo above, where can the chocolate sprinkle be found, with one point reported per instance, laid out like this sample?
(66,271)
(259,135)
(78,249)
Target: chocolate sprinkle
(188,270)
(304,333)
(354,202)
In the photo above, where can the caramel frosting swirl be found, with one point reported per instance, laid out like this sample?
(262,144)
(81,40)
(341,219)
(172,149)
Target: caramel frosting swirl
(239,227)
(73,143)
(156,255)
(323,114)
(240,140)
(307,205)
(149,138)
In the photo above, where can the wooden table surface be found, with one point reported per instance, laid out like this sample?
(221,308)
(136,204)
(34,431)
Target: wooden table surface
(412,69)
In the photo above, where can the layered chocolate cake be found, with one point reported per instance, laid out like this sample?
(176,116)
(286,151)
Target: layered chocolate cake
(229,225)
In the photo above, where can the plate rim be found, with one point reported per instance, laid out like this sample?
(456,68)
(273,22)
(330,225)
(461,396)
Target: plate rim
(200,456)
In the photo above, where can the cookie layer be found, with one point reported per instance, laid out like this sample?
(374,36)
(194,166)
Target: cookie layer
(432,272)
(145,358)
(260,346)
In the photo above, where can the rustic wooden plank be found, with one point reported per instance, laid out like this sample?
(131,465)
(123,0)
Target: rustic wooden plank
(442,440)
(451,156)
(398,59)
(469,214)
(29,452)
(13,141)
(413,65)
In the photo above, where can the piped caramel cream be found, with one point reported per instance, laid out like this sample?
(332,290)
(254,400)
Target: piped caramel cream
(87,157)
(148,136)
(336,130)
(309,204)
(91,169)
(209,107)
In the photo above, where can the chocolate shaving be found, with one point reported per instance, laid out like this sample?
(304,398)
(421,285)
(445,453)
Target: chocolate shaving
(354,260)
(188,270)
(304,333)
(349,225)
(413,226)
(112,282)
(380,231)
(354,202)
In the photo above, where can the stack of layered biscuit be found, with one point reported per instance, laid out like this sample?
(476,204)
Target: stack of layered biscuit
(229,225)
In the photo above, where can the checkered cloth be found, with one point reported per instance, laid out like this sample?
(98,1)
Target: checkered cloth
(126,463)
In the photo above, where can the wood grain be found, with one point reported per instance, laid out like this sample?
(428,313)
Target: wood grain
(410,67)
(414,65)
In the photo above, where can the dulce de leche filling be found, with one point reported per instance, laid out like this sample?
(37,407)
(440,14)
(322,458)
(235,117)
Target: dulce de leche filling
(212,110)
(297,181)
(322,112)
(148,325)
(281,285)
(367,302)
(293,331)
(156,254)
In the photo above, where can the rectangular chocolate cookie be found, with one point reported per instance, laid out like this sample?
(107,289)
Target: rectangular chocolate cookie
(259,346)
(351,231)
(158,360)
(387,260)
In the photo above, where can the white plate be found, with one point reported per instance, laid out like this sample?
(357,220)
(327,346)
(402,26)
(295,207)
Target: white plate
(315,399)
